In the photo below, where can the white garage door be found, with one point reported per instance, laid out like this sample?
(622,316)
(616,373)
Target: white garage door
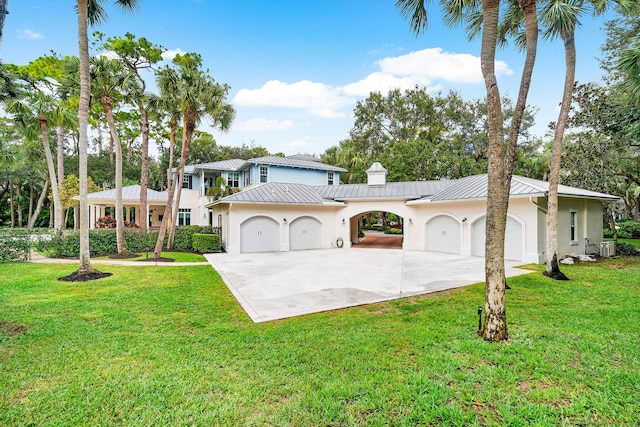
(259,234)
(512,243)
(305,233)
(443,235)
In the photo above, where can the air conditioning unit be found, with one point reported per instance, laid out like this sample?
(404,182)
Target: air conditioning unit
(607,249)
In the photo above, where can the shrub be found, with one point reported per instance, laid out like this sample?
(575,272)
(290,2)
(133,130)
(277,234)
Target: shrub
(136,240)
(624,248)
(206,243)
(183,239)
(631,229)
(15,245)
(607,233)
(392,230)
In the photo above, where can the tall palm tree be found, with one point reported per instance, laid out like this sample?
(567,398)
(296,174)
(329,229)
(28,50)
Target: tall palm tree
(139,55)
(501,155)
(36,107)
(109,78)
(560,18)
(89,12)
(630,65)
(198,96)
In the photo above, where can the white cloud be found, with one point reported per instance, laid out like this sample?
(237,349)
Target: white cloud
(264,125)
(434,64)
(317,98)
(427,68)
(29,34)
(171,53)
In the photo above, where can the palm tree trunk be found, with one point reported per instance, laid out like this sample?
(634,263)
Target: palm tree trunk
(31,196)
(495,321)
(57,219)
(107,106)
(552,269)
(144,168)
(11,202)
(41,199)
(60,162)
(83,117)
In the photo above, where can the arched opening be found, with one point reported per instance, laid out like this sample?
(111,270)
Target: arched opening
(377,229)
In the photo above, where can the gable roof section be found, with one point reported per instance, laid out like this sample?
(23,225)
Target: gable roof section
(223,165)
(293,163)
(277,193)
(475,187)
(130,194)
(398,190)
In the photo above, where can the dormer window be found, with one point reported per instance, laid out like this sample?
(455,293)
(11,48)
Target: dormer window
(233,179)
(264,174)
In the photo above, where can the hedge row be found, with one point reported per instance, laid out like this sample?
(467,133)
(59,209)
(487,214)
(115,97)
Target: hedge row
(15,245)
(103,241)
(206,243)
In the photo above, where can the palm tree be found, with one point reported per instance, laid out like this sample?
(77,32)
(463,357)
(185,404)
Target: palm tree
(109,78)
(89,12)
(560,18)
(630,65)
(139,55)
(197,95)
(501,155)
(33,107)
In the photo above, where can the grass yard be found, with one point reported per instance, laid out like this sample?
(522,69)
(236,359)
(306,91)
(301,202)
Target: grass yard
(171,346)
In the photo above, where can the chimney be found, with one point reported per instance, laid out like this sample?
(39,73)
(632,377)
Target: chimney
(376,174)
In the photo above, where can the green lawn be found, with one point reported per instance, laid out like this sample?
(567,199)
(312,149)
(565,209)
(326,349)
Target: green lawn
(171,346)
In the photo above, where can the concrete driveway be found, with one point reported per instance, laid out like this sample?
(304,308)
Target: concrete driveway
(277,285)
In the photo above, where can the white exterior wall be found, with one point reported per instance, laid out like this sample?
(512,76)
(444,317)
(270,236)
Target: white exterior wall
(232,220)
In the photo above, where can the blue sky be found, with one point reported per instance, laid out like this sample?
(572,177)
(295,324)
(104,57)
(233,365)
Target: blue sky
(296,69)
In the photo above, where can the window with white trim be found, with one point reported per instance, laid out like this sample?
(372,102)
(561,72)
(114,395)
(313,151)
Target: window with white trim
(187,182)
(329,178)
(264,174)
(184,216)
(573,226)
(233,179)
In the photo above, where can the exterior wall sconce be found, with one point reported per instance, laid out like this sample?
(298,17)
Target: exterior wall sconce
(343,220)
(410,222)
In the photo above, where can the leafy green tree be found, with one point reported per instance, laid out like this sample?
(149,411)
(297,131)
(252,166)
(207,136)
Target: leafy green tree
(139,55)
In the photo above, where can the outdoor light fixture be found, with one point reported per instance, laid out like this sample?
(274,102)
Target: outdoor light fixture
(343,220)
(479,319)
(285,220)
(410,222)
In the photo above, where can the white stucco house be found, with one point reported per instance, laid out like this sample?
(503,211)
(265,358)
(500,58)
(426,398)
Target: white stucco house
(297,202)
(446,216)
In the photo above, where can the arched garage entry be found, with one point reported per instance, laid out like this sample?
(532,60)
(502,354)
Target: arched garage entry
(305,233)
(513,238)
(368,230)
(443,234)
(259,234)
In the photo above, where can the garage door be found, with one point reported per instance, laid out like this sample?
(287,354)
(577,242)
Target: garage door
(512,243)
(305,233)
(443,235)
(259,234)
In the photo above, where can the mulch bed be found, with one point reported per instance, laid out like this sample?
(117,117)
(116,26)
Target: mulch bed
(161,259)
(84,277)
(124,255)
